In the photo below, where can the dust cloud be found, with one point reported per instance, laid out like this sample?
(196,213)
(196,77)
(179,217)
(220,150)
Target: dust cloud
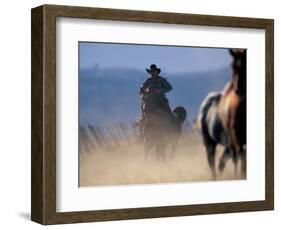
(127,164)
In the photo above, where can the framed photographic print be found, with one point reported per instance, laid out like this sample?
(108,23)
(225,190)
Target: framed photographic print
(139,114)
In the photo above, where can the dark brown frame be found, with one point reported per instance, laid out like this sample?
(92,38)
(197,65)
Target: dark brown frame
(43,160)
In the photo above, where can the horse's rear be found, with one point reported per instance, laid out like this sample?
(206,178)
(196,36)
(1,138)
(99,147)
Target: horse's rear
(211,127)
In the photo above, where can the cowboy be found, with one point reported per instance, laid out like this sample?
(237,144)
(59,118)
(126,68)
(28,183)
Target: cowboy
(154,84)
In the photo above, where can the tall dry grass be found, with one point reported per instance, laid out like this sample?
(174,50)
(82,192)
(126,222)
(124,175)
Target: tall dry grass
(126,164)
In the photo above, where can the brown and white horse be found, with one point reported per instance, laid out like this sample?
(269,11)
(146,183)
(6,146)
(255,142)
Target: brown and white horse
(222,117)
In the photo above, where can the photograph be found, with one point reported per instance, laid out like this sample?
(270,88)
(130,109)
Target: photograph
(153,114)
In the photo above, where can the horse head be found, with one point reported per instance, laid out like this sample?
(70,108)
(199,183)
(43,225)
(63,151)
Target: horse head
(239,70)
(152,101)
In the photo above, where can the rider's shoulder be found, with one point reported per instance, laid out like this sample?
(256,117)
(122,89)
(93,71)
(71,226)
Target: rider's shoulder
(158,78)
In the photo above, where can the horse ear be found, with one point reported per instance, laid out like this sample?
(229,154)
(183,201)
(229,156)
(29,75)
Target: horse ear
(232,52)
(237,52)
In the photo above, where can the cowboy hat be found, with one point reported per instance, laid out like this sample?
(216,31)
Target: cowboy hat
(152,68)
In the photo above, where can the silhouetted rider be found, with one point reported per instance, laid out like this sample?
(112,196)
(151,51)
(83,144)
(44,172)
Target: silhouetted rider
(154,84)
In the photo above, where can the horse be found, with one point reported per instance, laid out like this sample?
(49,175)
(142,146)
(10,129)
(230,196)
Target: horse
(222,118)
(162,126)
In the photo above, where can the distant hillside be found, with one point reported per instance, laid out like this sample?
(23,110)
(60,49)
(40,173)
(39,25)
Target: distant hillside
(111,95)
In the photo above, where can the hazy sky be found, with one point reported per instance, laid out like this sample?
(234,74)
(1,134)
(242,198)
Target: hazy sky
(103,101)
(168,58)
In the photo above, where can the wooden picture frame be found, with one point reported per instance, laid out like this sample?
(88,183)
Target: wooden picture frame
(43,188)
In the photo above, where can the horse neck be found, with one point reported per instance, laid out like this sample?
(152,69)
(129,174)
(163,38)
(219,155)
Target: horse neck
(239,88)
(232,85)
(228,87)
(153,100)
(235,79)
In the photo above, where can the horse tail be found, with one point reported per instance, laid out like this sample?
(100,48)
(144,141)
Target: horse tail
(180,113)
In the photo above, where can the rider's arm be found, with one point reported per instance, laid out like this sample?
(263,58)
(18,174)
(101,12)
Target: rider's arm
(166,86)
